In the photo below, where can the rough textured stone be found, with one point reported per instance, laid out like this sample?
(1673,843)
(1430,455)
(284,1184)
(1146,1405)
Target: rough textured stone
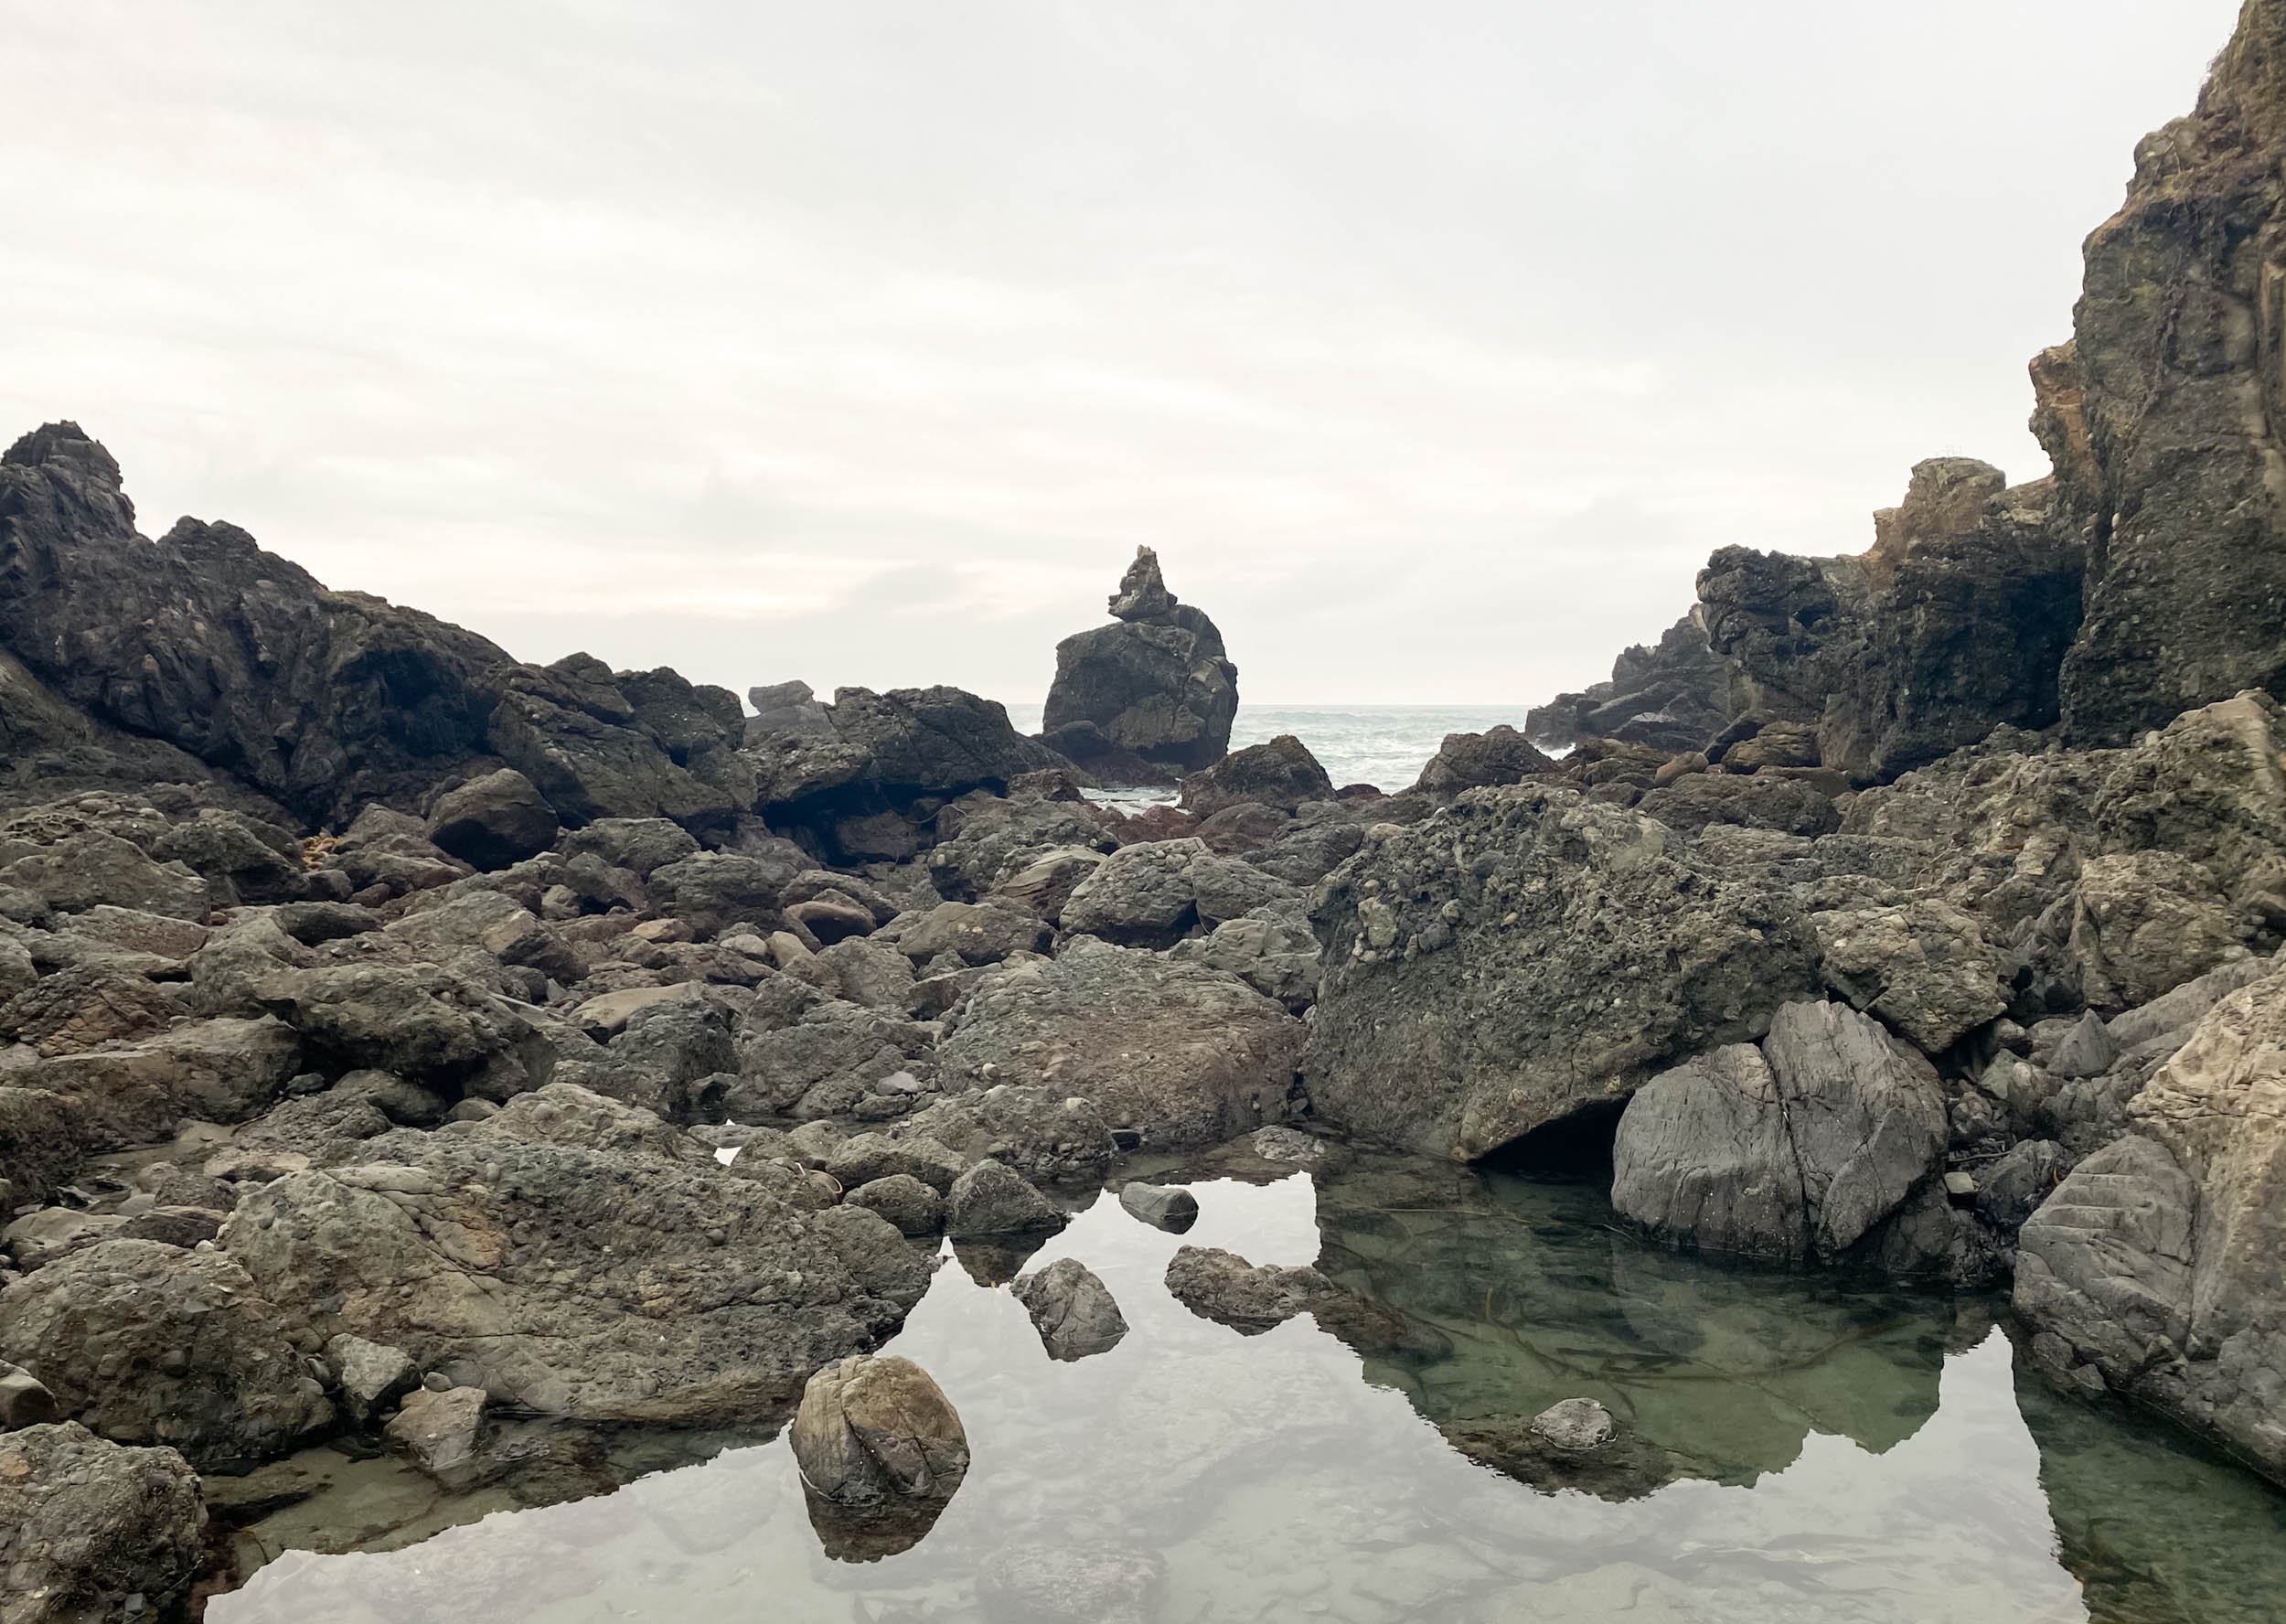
(1526,953)
(1672,694)
(493,820)
(86,1525)
(149,1343)
(1184,1055)
(572,1280)
(904,1200)
(1925,969)
(440,1431)
(988,1200)
(1281,774)
(1075,1316)
(1047,1135)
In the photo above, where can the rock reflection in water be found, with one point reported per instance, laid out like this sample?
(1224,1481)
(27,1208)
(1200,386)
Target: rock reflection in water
(1837,1451)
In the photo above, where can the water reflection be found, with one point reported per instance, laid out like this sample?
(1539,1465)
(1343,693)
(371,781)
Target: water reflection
(1829,1450)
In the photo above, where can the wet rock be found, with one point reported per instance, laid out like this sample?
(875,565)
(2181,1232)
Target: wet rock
(1156,682)
(1183,1054)
(2105,1264)
(904,1200)
(148,1343)
(864,1158)
(1290,1145)
(90,1530)
(1070,1308)
(368,1375)
(989,1199)
(493,821)
(1163,1206)
(1626,1468)
(1576,1425)
(2009,1192)
(1526,953)
(441,1432)
(1248,1298)
(1281,774)
(873,1429)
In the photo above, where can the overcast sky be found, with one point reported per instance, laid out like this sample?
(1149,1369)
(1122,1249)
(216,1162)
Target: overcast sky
(1433,346)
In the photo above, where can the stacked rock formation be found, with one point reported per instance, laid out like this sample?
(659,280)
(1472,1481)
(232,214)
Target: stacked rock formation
(1154,686)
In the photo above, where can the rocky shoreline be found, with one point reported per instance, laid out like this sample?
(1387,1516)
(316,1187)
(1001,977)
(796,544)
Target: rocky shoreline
(401,1040)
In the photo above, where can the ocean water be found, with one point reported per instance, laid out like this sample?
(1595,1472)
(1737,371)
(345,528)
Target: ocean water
(1810,1447)
(1382,746)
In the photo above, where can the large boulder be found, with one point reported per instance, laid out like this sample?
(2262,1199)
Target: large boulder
(1805,1144)
(1498,755)
(1282,774)
(148,1343)
(493,820)
(1155,683)
(90,1530)
(573,1275)
(2158,1258)
(874,1428)
(1180,1053)
(1526,953)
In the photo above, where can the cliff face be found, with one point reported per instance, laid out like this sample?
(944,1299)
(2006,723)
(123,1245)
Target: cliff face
(2177,370)
(2148,575)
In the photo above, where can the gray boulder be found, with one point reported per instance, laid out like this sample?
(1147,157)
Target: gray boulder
(493,821)
(1162,1206)
(90,1530)
(1526,953)
(1070,1308)
(874,1428)
(1281,774)
(1182,1055)
(988,1200)
(904,1200)
(1046,1136)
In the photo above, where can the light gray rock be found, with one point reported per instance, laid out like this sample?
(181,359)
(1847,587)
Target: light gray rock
(1048,1137)
(1071,1308)
(2089,1050)
(1248,1298)
(1865,1114)
(904,1200)
(2105,1263)
(1576,1425)
(1924,967)
(1703,1156)
(1139,896)
(441,1432)
(1184,1055)
(368,1375)
(865,1158)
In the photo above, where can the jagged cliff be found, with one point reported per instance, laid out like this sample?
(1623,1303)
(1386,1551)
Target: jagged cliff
(2144,577)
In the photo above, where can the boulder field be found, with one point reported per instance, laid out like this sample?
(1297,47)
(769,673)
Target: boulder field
(395,1036)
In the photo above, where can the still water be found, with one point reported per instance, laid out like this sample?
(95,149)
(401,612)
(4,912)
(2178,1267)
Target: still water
(1827,1450)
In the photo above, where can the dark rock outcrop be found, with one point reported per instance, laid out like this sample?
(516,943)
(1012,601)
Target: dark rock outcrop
(1526,953)
(1672,695)
(1157,682)
(1281,774)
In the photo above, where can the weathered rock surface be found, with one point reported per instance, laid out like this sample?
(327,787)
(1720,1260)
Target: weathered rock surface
(1526,953)
(149,1343)
(587,1282)
(90,1530)
(987,1200)
(1805,1143)
(1182,1054)
(1156,682)
(873,1429)
(1672,695)
(1281,774)
(1075,1316)
(493,820)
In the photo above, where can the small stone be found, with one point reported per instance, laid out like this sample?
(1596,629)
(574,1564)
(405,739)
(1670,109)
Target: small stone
(1071,1309)
(1162,1206)
(1960,1187)
(1576,1424)
(24,1400)
(440,1431)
